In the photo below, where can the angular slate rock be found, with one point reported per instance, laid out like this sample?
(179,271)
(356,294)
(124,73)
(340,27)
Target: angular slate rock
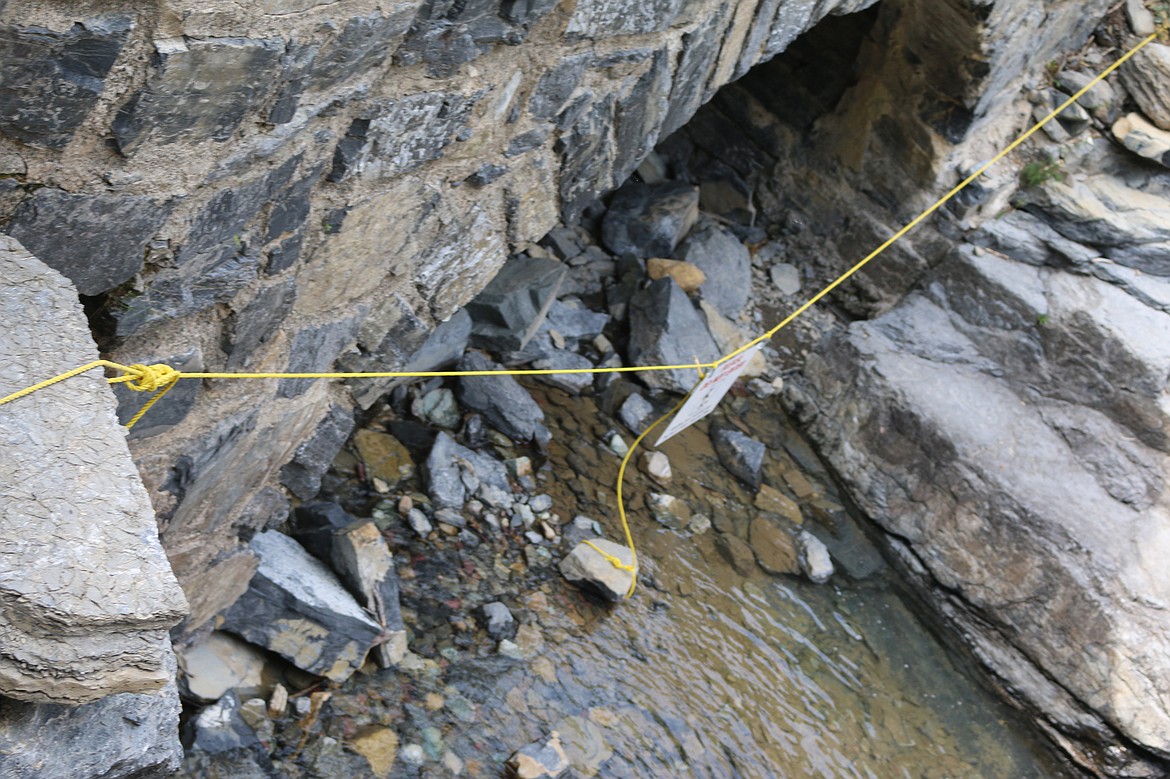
(740,454)
(635,413)
(665,329)
(650,220)
(586,567)
(727,265)
(500,622)
(315,524)
(444,346)
(506,405)
(511,308)
(572,383)
(1145,75)
(366,565)
(50,80)
(313,457)
(296,607)
(457,474)
(96,241)
(199,90)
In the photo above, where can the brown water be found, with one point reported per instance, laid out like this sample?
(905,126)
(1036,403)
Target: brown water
(706,672)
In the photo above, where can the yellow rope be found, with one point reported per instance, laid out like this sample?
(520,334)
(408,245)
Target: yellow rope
(160,378)
(613,559)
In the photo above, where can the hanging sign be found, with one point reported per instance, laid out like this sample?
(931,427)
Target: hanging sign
(707,394)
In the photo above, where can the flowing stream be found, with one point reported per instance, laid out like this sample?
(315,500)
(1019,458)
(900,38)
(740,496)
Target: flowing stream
(708,671)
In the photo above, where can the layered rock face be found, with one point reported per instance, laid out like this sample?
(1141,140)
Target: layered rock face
(86,595)
(1006,423)
(306,185)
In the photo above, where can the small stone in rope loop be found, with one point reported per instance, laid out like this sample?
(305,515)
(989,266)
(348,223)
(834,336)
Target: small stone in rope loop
(148,378)
(591,565)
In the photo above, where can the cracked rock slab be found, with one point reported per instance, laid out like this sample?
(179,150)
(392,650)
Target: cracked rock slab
(86,594)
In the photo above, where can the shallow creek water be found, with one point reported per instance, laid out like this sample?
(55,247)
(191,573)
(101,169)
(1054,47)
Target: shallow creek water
(708,671)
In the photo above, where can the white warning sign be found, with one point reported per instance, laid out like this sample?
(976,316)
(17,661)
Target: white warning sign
(707,394)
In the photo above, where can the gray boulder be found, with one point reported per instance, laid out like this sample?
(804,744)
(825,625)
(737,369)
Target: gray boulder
(572,383)
(500,622)
(458,474)
(740,454)
(135,734)
(1143,138)
(89,596)
(635,413)
(296,607)
(727,264)
(649,220)
(508,406)
(665,329)
(1145,75)
(511,308)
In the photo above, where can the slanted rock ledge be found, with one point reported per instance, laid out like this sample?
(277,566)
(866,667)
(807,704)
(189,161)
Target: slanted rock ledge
(86,594)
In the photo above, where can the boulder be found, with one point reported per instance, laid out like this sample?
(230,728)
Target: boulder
(727,265)
(586,567)
(88,594)
(635,413)
(785,278)
(438,407)
(665,329)
(136,733)
(510,309)
(457,474)
(740,454)
(1069,123)
(507,405)
(685,274)
(1100,100)
(296,607)
(500,622)
(1143,138)
(1146,75)
(774,546)
(814,557)
(384,456)
(572,383)
(649,220)
(221,663)
(365,564)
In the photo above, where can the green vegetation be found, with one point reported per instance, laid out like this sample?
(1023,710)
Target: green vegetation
(1039,171)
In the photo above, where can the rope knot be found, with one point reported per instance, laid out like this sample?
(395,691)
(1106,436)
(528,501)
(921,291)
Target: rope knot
(148,378)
